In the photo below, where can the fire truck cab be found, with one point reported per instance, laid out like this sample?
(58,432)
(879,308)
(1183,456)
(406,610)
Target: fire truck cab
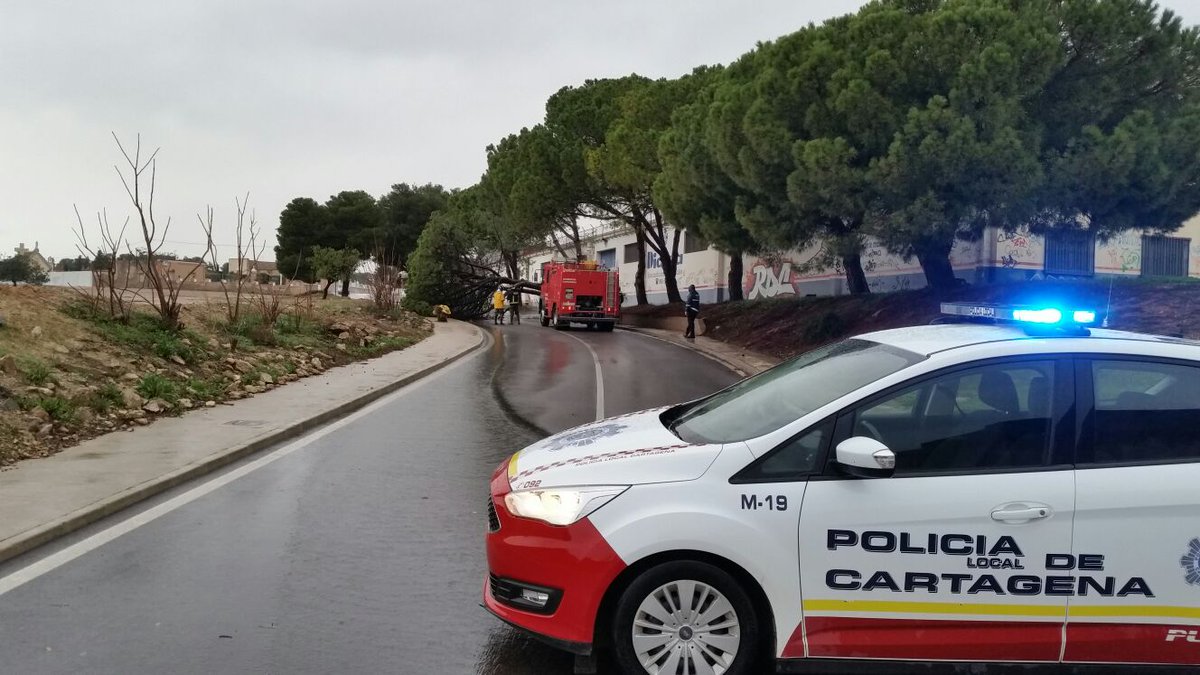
(579,292)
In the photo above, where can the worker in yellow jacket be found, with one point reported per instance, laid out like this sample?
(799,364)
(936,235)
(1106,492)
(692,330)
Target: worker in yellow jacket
(499,305)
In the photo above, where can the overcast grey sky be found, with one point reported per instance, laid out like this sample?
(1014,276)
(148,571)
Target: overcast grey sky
(305,98)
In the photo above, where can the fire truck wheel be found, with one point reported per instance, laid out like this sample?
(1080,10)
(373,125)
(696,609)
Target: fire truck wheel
(607,327)
(558,325)
(545,319)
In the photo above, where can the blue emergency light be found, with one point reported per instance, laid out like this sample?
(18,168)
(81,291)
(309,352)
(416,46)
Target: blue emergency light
(1045,318)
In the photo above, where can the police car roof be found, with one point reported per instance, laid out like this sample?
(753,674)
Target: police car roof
(928,340)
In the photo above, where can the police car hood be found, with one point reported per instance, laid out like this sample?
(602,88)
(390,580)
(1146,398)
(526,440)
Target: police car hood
(626,450)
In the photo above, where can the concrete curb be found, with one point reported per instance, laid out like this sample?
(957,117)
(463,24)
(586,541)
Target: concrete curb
(742,369)
(39,536)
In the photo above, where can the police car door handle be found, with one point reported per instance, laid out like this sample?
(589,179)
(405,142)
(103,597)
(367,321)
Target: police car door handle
(1021,513)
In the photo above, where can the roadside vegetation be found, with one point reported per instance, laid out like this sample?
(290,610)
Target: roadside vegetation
(69,370)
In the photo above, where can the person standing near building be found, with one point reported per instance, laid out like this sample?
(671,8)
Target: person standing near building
(692,310)
(499,306)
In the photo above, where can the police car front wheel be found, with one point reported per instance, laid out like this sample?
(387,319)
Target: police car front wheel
(685,617)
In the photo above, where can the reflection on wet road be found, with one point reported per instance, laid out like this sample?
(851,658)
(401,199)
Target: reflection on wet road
(362,551)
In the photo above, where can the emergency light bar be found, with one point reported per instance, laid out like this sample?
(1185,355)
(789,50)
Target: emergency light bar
(1045,317)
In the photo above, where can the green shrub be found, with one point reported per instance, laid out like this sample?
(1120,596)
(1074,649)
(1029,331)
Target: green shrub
(207,389)
(36,372)
(59,408)
(153,385)
(107,397)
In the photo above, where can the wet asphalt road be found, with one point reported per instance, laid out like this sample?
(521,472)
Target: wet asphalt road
(358,549)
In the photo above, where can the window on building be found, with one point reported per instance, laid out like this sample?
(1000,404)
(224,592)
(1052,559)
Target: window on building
(1070,253)
(693,243)
(1165,256)
(607,258)
(1145,412)
(631,253)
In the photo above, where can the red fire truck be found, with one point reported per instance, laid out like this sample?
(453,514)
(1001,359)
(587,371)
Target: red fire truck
(580,292)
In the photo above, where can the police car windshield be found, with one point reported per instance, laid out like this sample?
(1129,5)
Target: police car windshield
(772,399)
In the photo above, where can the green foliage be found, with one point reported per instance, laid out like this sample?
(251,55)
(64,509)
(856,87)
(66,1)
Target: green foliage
(303,224)
(36,371)
(446,269)
(105,398)
(59,409)
(334,264)
(206,389)
(406,211)
(21,269)
(153,385)
(144,332)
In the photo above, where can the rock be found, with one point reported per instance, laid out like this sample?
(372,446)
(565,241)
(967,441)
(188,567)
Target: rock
(141,421)
(178,360)
(341,346)
(186,403)
(84,415)
(36,332)
(131,398)
(242,366)
(131,377)
(40,415)
(61,349)
(40,391)
(344,335)
(316,363)
(45,430)
(210,404)
(213,344)
(254,389)
(266,378)
(339,327)
(156,406)
(8,365)
(186,341)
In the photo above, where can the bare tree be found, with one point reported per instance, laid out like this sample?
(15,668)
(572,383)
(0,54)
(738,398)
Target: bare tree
(165,285)
(105,277)
(384,282)
(246,243)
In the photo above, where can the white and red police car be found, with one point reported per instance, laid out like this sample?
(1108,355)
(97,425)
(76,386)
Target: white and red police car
(983,491)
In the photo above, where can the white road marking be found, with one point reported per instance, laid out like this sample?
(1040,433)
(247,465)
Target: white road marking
(54,561)
(599,378)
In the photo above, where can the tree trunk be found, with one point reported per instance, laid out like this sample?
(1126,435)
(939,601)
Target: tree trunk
(856,278)
(670,270)
(575,239)
(639,279)
(935,262)
(346,287)
(325,291)
(734,282)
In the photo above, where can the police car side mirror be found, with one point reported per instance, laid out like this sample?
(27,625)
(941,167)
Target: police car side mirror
(866,458)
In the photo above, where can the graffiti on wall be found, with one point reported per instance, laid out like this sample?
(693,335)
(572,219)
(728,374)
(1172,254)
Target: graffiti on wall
(1018,248)
(768,280)
(1122,253)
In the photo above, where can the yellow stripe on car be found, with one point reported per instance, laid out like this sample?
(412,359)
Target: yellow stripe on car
(994,609)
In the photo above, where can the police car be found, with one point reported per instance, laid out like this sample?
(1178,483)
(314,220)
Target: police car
(1014,487)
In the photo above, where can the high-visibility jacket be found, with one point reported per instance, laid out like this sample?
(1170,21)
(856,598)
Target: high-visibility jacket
(498,300)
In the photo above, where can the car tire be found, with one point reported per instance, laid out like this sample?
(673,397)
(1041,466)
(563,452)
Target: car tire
(554,321)
(719,625)
(545,318)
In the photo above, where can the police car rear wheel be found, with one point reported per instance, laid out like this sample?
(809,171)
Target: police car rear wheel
(685,617)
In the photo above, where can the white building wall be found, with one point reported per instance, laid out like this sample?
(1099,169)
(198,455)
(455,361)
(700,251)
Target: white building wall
(998,255)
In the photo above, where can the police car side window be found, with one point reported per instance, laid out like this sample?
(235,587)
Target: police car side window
(1144,412)
(991,417)
(794,460)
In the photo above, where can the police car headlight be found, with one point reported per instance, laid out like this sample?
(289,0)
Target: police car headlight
(560,506)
